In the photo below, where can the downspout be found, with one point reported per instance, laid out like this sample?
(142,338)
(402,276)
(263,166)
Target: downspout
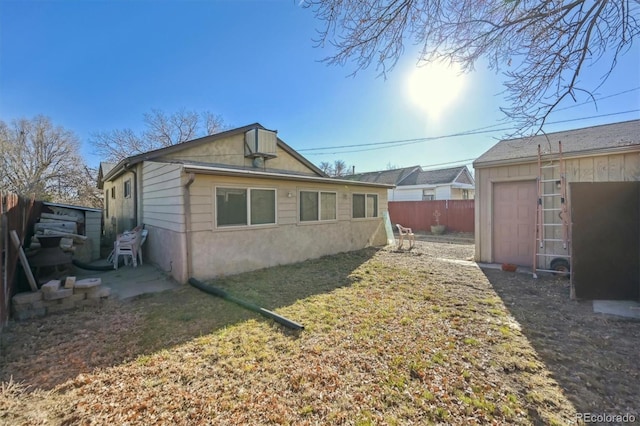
(135,198)
(187,221)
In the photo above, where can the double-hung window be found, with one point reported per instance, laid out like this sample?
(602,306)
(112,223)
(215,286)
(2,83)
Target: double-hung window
(245,206)
(365,205)
(317,205)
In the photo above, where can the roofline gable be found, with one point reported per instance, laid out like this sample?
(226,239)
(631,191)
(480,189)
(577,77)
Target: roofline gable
(126,163)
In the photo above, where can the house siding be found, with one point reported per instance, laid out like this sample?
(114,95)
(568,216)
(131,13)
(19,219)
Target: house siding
(230,250)
(230,151)
(121,211)
(603,168)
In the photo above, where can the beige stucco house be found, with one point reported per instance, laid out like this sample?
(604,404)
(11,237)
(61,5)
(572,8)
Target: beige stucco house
(601,170)
(416,184)
(236,201)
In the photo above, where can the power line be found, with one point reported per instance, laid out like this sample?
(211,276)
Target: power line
(403,142)
(467,132)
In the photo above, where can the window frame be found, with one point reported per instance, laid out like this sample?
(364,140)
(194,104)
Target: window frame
(367,213)
(319,193)
(248,223)
(126,189)
(113,192)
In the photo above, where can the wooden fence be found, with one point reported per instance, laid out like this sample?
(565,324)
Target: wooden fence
(456,215)
(19,214)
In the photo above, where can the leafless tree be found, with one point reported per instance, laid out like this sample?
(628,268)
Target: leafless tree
(161,130)
(337,169)
(40,160)
(544,45)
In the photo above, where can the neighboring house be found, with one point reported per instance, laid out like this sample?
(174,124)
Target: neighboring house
(415,184)
(236,201)
(602,170)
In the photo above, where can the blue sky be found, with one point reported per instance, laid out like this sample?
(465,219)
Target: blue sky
(100,65)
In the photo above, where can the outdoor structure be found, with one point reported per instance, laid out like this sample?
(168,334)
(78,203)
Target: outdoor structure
(415,184)
(237,201)
(601,167)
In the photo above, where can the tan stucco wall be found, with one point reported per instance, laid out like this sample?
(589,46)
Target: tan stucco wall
(226,250)
(604,168)
(231,151)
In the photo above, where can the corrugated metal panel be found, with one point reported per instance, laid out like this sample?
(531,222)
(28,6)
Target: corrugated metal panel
(260,141)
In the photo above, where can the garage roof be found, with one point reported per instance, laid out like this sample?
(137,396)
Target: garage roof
(594,140)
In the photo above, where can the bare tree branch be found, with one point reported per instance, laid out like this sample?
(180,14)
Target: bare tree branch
(543,44)
(161,130)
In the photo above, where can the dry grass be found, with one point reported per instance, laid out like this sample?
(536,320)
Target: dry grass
(390,338)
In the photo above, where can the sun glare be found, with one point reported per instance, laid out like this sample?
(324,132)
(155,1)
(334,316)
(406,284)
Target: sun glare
(435,88)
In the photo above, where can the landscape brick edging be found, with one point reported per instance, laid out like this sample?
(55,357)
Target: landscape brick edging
(50,299)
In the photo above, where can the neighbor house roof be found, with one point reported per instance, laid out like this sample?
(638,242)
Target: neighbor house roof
(389,177)
(438,177)
(594,140)
(414,176)
(159,153)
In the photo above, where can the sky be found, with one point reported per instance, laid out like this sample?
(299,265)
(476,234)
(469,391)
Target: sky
(95,66)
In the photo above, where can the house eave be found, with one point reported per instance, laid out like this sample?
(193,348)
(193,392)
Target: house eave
(221,171)
(565,156)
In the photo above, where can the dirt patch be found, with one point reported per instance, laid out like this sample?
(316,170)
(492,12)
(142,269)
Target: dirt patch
(392,337)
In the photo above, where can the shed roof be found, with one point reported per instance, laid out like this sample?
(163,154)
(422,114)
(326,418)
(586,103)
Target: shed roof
(575,143)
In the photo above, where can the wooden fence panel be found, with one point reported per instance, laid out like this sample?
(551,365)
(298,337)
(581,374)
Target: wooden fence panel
(456,215)
(19,214)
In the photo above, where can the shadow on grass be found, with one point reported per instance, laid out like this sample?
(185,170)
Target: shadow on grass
(593,357)
(45,352)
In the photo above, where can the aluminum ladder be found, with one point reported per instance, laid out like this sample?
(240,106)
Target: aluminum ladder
(552,251)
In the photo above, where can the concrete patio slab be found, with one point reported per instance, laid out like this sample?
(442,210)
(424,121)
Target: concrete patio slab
(127,281)
(621,308)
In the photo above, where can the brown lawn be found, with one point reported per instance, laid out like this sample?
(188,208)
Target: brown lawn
(410,337)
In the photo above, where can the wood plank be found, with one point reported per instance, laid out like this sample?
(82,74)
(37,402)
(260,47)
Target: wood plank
(23,259)
(63,217)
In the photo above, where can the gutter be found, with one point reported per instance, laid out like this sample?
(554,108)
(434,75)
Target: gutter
(187,221)
(282,176)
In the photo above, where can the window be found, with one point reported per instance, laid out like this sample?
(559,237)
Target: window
(106,200)
(365,205)
(465,194)
(127,188)
(241,207)
(316,205)
(113,192)
(428,195)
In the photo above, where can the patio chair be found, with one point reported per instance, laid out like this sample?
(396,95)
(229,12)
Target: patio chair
(129,245)
(405,232)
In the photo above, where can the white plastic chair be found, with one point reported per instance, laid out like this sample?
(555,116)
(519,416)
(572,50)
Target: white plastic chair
(128,245)
(406,232)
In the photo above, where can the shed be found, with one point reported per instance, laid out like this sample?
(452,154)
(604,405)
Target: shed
(601,171)
(89,221)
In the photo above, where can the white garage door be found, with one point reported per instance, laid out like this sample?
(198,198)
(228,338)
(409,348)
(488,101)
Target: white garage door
(514,210)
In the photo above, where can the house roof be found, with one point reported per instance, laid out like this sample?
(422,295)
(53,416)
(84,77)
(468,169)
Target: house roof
(435,177)
(158,153)
(586,141)
(225,170)
(389,177)
(413,176)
